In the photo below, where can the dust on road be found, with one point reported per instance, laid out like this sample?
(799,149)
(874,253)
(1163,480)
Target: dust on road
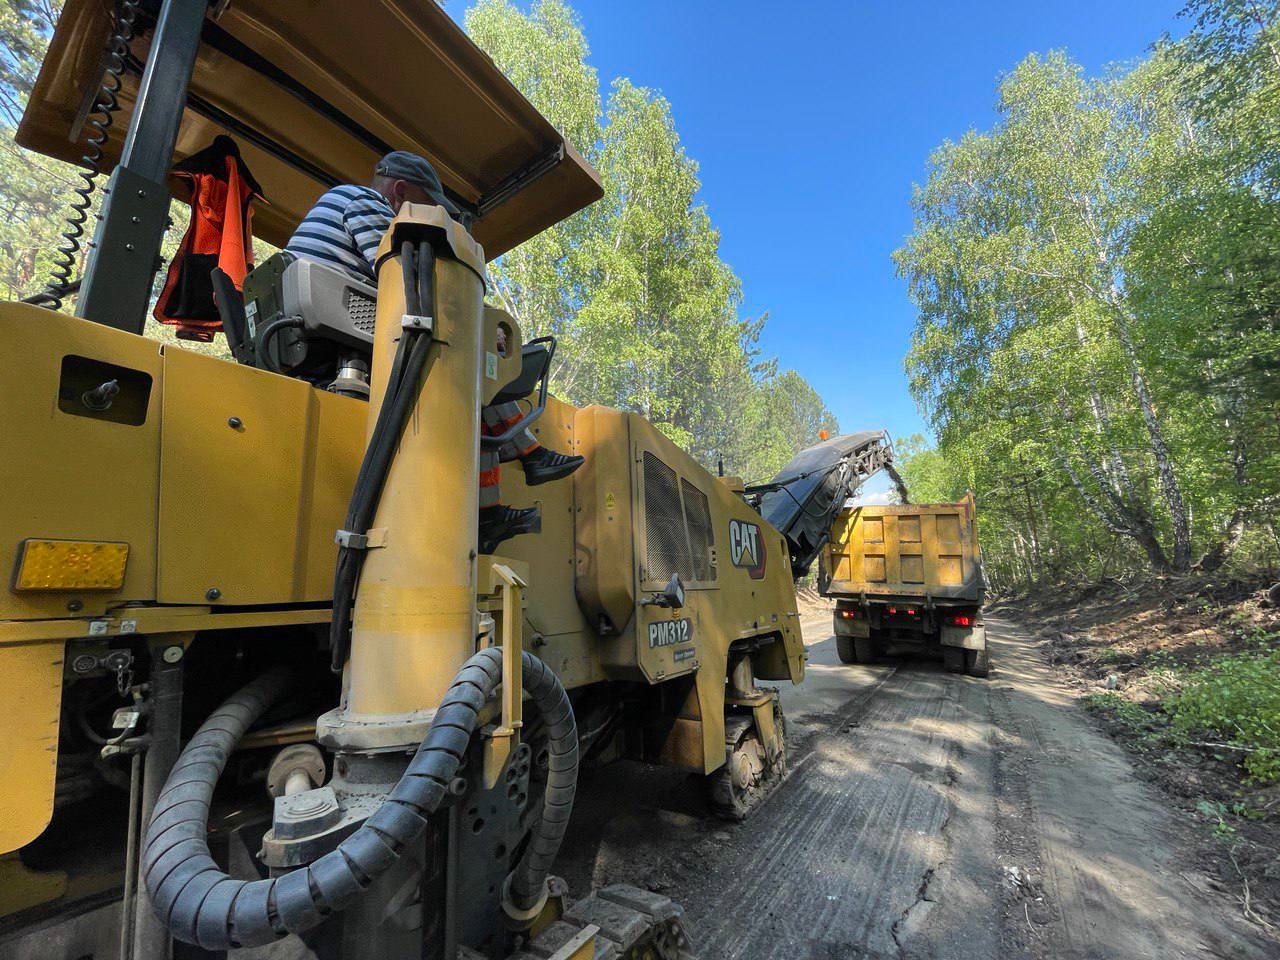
(927,815)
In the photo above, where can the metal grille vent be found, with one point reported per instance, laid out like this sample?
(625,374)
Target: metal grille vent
(362,310)
(701,537)
(666,546)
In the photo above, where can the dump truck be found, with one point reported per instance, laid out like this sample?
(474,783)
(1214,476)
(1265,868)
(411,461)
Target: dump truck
(907,578)
(258,683)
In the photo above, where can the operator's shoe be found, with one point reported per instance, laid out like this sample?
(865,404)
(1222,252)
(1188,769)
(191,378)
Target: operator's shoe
(503,522)
(543,465)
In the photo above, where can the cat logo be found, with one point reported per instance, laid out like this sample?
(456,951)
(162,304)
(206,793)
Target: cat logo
(746,548)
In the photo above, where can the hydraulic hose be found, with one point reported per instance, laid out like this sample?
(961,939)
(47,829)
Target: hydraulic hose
(200,904)
(397,405)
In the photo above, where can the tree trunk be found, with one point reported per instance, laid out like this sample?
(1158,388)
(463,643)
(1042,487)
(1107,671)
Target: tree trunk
(1123,523)
(1228,405)
(1112,473)
(1169,485)
(1217,555)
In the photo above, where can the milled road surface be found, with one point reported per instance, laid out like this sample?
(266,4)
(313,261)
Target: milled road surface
(926,815)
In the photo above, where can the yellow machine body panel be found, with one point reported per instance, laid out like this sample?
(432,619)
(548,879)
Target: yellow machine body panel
(925,550)
(639,510)
(215,475)
(227,483)
(69,472)
(30,706)
(255,474)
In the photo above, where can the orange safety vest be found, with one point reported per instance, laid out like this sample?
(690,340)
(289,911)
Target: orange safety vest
(220,235)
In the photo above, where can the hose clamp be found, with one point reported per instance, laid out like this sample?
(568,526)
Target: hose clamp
(369,540)
(413,321)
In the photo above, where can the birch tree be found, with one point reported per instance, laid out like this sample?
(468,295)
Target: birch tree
(1097,280)
(647,310)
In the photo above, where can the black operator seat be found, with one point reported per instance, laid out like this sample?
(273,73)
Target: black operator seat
(307,320)
(314,322)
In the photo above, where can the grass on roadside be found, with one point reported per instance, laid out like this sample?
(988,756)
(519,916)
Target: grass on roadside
(1237,700)
(1231,705)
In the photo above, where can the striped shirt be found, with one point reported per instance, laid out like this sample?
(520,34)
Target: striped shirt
(343,230)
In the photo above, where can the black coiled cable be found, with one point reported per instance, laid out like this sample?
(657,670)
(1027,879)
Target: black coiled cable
(99,121)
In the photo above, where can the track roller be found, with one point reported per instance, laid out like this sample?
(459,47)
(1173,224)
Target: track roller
(628,924)
(748,775)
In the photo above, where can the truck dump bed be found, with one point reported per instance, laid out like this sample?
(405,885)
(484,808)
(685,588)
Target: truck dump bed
(919,550)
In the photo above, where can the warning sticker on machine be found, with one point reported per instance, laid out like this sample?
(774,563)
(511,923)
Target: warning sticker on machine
(667,633)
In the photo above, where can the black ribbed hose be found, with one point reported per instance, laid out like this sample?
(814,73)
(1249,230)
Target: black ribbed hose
(200,904)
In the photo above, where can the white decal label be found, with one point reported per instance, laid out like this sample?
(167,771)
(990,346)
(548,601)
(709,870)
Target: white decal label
(667,633)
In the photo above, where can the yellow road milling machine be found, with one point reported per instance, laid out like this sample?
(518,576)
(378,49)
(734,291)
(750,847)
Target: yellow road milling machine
(255,677)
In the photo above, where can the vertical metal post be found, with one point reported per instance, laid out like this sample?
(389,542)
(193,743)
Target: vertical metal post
(129,906)
(126,246)
(452,869)
(151,938)
(506,736)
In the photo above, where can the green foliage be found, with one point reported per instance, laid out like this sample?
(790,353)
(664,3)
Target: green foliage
(1236,698)
(1218,811)
(929,476)
(1126,711)
(634,286)
(1097,280)
(1147,729)
(34,190)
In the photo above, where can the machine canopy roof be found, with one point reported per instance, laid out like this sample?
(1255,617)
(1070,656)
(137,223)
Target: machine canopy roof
(314,92)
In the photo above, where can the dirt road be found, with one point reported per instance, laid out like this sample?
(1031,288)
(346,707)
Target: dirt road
(926,816)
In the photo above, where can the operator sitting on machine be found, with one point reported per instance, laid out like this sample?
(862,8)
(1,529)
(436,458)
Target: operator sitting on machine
(343,231)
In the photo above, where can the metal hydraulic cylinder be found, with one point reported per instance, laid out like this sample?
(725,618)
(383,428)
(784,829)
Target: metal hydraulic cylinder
(414,621)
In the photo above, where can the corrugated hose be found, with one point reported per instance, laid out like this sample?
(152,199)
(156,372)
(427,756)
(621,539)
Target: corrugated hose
(201,904)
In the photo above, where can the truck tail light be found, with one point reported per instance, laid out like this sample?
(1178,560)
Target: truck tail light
(850,614)
(960,620)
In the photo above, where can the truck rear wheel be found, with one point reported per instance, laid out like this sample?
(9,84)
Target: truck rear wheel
(977,663)
(846,650)
(865,649)
(954,659)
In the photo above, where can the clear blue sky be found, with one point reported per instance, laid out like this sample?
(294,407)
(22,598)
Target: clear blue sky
(826,112)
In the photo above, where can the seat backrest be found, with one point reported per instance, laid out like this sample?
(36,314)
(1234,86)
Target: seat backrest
(329,305)
(332,304)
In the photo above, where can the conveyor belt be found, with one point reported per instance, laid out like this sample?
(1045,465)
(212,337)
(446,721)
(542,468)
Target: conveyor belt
(803,499)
